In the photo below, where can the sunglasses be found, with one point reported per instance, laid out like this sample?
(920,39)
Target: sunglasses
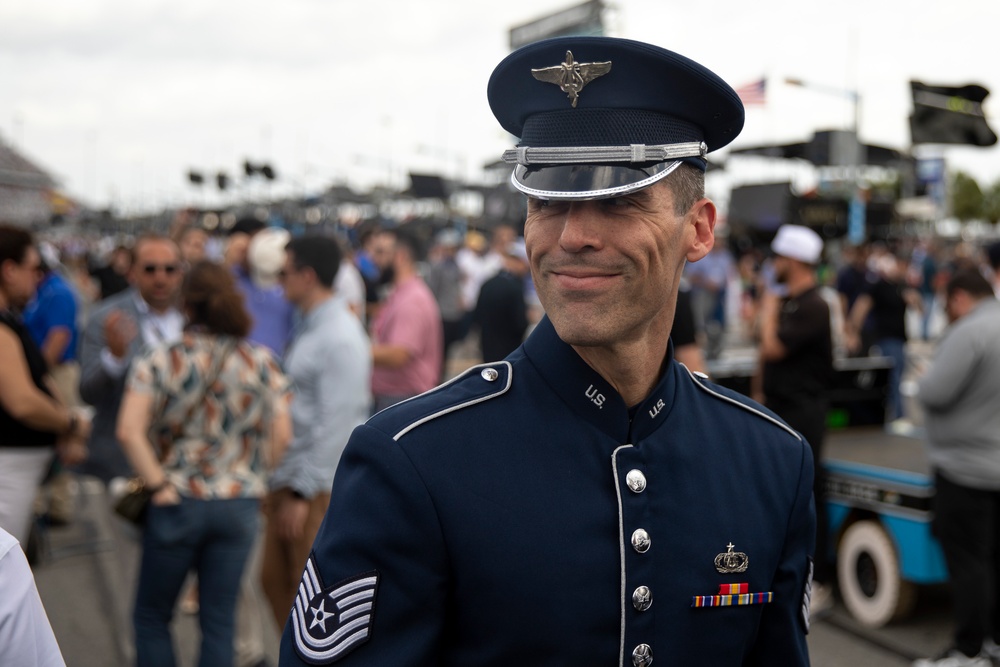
(169,269)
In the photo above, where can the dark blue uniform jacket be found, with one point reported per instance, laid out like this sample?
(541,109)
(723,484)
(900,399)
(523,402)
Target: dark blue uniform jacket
(523,515)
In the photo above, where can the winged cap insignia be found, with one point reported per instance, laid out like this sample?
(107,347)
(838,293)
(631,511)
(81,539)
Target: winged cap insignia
(572,76)
(731,561)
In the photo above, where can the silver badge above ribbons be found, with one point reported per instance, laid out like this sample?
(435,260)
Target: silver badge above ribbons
(731,561)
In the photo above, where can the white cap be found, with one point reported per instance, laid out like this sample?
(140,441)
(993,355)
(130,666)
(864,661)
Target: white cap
(518,250)
(798,243)
(266,255)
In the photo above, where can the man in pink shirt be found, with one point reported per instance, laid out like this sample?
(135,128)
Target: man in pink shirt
(406,332)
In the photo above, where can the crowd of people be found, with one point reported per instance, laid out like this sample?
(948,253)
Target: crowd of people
(227,372)
(238,376)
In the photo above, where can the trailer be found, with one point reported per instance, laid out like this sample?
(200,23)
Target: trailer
(879,489)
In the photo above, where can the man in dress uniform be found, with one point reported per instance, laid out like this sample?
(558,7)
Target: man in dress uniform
(587,500)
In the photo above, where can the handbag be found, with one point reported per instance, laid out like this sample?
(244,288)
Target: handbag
(132,505)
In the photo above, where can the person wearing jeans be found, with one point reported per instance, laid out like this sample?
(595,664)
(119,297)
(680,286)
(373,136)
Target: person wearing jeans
(216,405)
(212,536)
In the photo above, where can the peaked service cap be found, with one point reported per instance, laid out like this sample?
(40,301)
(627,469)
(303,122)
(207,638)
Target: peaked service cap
(599,117)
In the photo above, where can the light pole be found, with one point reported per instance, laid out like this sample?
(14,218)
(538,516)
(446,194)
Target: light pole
(854,161)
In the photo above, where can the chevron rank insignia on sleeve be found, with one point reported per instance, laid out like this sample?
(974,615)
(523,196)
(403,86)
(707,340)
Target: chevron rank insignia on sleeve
(330,622)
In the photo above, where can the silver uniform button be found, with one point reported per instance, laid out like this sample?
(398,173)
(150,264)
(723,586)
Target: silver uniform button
(640,541)
(636,481)
(490,374)
(642,598)
(642,655)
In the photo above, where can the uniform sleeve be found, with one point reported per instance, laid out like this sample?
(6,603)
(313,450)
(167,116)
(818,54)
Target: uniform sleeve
(781,637)
(380,543)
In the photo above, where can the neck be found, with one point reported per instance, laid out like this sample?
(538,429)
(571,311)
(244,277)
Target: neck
(632,367)
(403,274)
(4,301)
(800,281)
(315,299)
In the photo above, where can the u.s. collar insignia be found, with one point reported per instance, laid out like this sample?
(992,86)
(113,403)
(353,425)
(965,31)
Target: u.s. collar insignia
(731,561)
(330,622)
(572,76)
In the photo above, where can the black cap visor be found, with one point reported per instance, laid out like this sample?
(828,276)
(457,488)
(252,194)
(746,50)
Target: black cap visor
(588,181)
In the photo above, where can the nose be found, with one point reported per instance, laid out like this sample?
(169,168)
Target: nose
(583,227)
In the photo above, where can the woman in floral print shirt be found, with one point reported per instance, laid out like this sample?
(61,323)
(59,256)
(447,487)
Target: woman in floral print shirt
(201,421)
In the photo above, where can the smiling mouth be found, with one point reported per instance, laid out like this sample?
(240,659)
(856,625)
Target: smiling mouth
(573,280)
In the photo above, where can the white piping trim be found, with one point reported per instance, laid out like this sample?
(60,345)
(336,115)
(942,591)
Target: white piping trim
(733,401)
(510,377)
(621,547)
(592,194)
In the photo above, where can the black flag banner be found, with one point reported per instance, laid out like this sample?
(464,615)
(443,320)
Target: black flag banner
(949,115)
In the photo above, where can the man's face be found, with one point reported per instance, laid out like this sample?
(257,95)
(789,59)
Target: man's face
(193,246)
(294,280)
(383,250)
(20,280)
(781,269)
(607,270)
(957,305)
(156,272)
(235,253)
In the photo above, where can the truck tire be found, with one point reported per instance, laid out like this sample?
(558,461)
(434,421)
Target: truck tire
(868,576)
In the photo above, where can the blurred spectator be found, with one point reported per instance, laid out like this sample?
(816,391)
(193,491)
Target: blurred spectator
(33,421)
(407,339)
(193,242)
(364,260)
(709,278)
(921,276)
(886,298)
(215,406)
(119,329)
(238,241)
(501,313)
(271,314)
(993,261)
(444,279)
(475,270)
(796,354)
(959,395)
(26,638)
(851,280)
(684,334)
(112,277)
(329,362)
(51,318)
(349,284)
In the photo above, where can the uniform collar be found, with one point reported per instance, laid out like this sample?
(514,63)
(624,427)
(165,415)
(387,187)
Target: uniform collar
(590,395)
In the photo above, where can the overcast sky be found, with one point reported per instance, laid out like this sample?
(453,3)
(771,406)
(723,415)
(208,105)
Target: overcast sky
(119,98)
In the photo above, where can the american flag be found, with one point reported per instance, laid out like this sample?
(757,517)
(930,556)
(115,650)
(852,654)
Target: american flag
(753,93)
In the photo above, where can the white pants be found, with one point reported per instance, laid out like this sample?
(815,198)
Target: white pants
(21,471)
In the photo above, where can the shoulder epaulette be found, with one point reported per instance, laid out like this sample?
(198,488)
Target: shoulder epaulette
(735,398)
(476,385)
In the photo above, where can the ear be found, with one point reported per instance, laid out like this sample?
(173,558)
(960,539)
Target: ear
(701,217)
